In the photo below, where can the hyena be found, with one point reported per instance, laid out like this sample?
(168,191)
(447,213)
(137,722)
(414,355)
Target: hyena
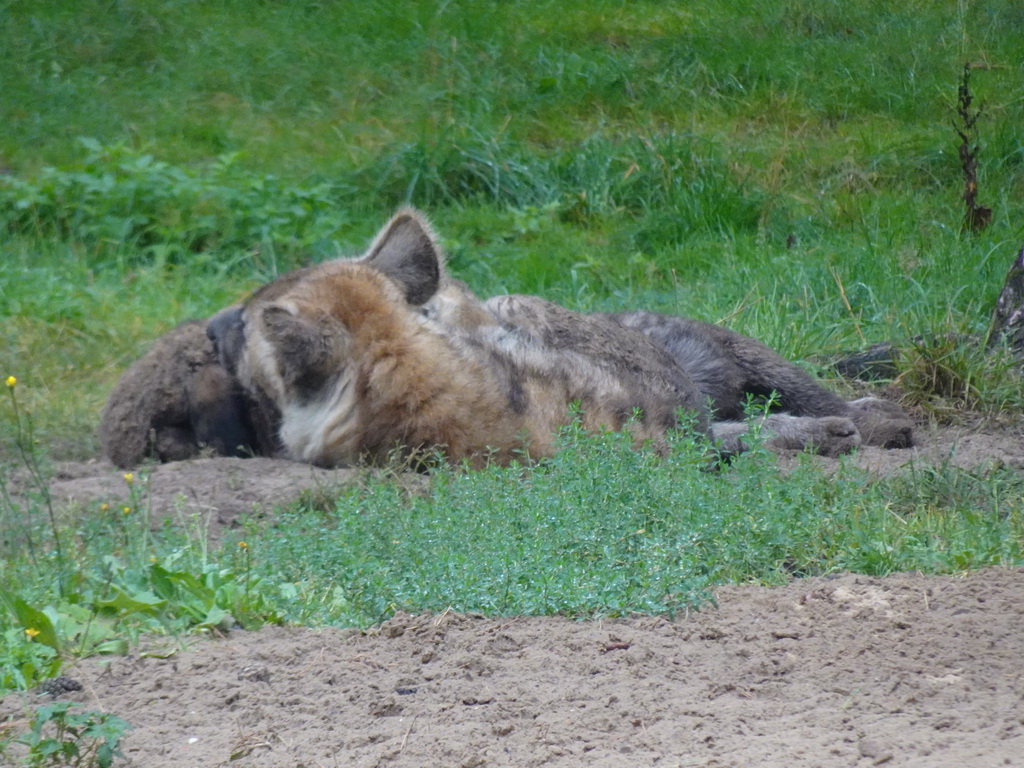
(363,358)
(539,356)
(177,400)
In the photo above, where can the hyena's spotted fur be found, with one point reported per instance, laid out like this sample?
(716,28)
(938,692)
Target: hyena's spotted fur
(318,348)
(362,358)
(605,339)
(729,366)
(178,400)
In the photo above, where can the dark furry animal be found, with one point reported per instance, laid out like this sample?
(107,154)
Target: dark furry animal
(627,356)
(184,397)
(177,400)
(384,355)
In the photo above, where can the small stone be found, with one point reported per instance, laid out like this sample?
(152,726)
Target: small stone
(874,751)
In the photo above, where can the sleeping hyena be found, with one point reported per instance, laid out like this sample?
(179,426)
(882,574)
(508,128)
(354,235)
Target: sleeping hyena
(367,357)
(177,400)
(383,354)
(529,360)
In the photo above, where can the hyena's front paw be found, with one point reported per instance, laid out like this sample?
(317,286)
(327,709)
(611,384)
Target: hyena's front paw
(882,423)
(824,435)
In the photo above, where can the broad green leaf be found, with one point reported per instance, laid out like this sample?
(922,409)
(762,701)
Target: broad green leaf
(137,602)
(33,620)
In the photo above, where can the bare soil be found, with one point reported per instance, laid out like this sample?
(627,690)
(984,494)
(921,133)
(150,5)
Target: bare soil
(850,671)
(908,670)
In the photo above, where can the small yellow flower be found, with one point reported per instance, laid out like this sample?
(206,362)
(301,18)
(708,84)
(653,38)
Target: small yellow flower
(242,545)
(129,478)
(126,510)
(11,381)
(104,507)
(31,632)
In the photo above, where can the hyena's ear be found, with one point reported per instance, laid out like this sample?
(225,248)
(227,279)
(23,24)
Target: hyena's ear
(406,250)
(303,349)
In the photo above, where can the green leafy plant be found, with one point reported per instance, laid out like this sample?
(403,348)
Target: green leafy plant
(60,736)
(119,195)
(24,663)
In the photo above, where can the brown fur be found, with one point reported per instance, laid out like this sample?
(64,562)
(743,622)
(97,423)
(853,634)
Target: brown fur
(177,400)
(363,358)
(664,382)
(471,378)
(358,369)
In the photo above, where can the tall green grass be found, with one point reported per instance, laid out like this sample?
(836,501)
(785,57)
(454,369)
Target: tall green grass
(789,169)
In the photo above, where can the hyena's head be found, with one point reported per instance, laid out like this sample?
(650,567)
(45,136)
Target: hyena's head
(300,343)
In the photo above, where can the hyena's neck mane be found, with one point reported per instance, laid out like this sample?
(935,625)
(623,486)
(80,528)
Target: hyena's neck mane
(427,390)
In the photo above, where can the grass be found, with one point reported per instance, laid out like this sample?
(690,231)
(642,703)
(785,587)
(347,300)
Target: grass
(789,170)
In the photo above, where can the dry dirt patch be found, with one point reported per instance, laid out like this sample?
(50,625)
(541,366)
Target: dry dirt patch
(847,671)
(221,491)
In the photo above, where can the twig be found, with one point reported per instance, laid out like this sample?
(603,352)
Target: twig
(846,303)
(407,732)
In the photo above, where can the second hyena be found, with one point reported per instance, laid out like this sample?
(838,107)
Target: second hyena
(176,401)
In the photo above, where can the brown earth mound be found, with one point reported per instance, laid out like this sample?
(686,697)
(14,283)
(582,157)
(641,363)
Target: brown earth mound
(848,671)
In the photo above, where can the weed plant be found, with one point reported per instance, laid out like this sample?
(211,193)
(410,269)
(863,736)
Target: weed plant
(59,736)
(602,529)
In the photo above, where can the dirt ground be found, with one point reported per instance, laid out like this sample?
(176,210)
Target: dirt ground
(849,671)
(909,670)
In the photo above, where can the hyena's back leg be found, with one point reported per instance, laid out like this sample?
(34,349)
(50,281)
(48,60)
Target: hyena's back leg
(824,435)
(728,366)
